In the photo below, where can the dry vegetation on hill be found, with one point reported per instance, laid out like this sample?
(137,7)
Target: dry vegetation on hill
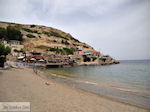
(40,38)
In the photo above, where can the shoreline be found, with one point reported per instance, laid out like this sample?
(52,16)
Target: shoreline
(61,77)
(58,87)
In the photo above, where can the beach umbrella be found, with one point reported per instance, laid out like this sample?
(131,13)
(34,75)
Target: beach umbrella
(41,60)
(33,59)
(20,57)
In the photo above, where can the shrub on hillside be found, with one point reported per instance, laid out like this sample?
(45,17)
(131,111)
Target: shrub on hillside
(32,26)
(68,51)
(30,36)
(3,33)
(93,58)
(61,51)
(30,31)
(76,40)
(86,59)
(55,34)
(10,33)
(65,42)
(13,33)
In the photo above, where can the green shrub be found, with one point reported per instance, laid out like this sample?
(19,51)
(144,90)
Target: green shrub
(85,46)
(86,59)
(47,33)
(27,30)
(76,40)
(74,44)
(13,33)
(73,49)
(3,33)
(62,51)
(32,26)
(51,49)
(62,42)
(93,58)
(4,51)
(65,42)
(30,36)
(102,59)
(68,51)
(63,37)
(56,50)
(55,35)
(30,31)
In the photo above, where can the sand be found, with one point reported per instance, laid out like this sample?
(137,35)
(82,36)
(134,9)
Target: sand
(23,85)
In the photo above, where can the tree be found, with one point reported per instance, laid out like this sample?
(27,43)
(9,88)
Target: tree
(13,33)
(68,51)
(93,58)
(86,59)
(32,26)
(4,51)
(66,43)
(3,33)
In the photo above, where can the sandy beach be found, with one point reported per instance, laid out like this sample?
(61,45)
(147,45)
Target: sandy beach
(23,85)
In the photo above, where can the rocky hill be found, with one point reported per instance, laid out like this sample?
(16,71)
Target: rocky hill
(41,38)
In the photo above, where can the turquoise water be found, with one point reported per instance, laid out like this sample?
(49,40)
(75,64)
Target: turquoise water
(129,80)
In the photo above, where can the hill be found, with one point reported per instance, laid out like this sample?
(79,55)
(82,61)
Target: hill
(41,38)
(49,41)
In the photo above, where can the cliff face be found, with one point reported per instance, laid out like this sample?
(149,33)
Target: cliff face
(40,38)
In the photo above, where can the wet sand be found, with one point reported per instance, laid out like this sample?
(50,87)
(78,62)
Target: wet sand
(23,85)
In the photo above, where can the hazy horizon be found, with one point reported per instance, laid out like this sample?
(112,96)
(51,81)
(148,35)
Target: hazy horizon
(119,28)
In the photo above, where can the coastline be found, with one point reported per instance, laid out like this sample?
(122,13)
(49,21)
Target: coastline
(103,90)
(24,85)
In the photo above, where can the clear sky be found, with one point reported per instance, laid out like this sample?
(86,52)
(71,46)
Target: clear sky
(120,28)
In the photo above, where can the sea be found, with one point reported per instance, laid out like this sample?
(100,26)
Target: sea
(127,82)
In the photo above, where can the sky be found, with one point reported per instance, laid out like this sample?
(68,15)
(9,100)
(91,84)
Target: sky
(119,28)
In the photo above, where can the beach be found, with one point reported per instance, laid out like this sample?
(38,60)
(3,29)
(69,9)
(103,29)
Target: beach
(47,95)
